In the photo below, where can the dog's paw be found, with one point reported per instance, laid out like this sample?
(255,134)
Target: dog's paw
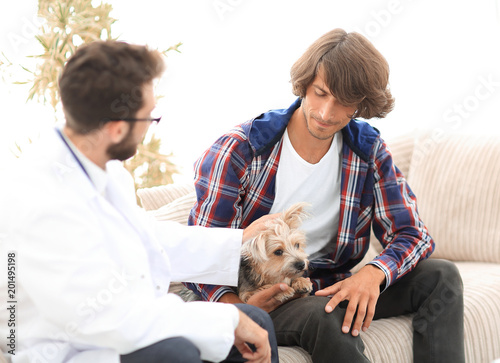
(285,295)
(302,286)
(244,296)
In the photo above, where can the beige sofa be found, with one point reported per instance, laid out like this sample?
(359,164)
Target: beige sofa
(457,182)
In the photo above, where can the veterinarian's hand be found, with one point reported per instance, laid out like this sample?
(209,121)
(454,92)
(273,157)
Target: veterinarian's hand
(249,331)
(257,226)
(266,300)
(362,290)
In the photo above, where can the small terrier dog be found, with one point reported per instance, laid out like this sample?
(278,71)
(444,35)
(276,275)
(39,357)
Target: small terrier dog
(276,255)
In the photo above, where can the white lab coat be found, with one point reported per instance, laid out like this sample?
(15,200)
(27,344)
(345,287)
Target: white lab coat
(92,274)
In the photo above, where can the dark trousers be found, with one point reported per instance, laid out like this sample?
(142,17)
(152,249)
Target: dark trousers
(181,350)
(433,291)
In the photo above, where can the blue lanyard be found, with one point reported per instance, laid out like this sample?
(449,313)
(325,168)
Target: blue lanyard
(73,153)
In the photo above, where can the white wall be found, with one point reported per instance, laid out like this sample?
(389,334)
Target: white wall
(235,61)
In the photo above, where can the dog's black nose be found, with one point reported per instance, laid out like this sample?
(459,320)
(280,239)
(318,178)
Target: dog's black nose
(299,265)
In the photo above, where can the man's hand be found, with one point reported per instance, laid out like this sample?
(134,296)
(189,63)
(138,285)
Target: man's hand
(266,300)
(249,332)
(362,290)
(257,226)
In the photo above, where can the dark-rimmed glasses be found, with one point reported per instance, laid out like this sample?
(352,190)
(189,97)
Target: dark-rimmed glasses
(132,119)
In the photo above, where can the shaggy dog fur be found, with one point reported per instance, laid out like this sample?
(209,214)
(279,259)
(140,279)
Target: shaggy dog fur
(276,255)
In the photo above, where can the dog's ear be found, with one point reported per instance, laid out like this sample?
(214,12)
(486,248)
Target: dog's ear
(255,249)
(294,215)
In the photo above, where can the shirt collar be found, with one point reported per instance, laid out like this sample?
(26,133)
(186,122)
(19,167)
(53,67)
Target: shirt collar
(267,129)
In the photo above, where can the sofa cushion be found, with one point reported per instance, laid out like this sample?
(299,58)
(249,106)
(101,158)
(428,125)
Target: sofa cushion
(293,355)
(456,180)
(401,148)
(481,310)
(389,340)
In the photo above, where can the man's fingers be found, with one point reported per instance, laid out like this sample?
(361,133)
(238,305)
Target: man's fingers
(334,301)
(349,315)
(361,291)
(362,313)
(275,289)
(255,356)
(266,300)
(335,292)
(250,355)
(257,226)
(260,353)
(369,315)
(243,348)
(360,317)
(248,332)
(269,294)
(327,291)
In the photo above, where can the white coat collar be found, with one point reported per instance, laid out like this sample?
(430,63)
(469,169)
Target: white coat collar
(98,176)
(113,192)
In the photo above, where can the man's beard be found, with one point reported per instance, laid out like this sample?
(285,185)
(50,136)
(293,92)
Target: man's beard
(125,149)
(312,133)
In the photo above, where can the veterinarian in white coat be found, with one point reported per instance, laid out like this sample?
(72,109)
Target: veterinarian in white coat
(91,271)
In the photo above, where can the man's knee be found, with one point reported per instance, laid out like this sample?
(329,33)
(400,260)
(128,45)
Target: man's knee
(450,291)
(181,350)
(327,324)
(322,333)
(256,314)
(446,276)
(450,273)
(445,301)
(441,288)
(174,350)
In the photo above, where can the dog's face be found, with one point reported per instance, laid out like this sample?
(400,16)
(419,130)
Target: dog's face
(277,254)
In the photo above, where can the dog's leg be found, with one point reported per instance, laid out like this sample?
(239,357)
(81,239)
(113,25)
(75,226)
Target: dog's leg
(302,286)
(285,295)
(281,297)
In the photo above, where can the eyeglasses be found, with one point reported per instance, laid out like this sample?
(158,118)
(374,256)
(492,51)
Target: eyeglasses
(131,119)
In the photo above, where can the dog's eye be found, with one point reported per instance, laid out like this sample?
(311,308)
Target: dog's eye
(297,246)
(278,252)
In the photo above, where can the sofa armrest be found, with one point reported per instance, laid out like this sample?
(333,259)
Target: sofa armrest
(156,197)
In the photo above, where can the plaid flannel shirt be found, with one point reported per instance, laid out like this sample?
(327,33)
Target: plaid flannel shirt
(235,185)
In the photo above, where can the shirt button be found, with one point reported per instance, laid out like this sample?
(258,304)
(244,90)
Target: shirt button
(142,276)
(157,287)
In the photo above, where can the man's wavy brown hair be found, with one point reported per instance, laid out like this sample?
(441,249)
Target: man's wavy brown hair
(355,72)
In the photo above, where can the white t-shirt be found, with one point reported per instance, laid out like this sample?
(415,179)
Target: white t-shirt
(317,184)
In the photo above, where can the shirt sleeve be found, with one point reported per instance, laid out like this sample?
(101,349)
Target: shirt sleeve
(397,223)
(218,181)
(216,252)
